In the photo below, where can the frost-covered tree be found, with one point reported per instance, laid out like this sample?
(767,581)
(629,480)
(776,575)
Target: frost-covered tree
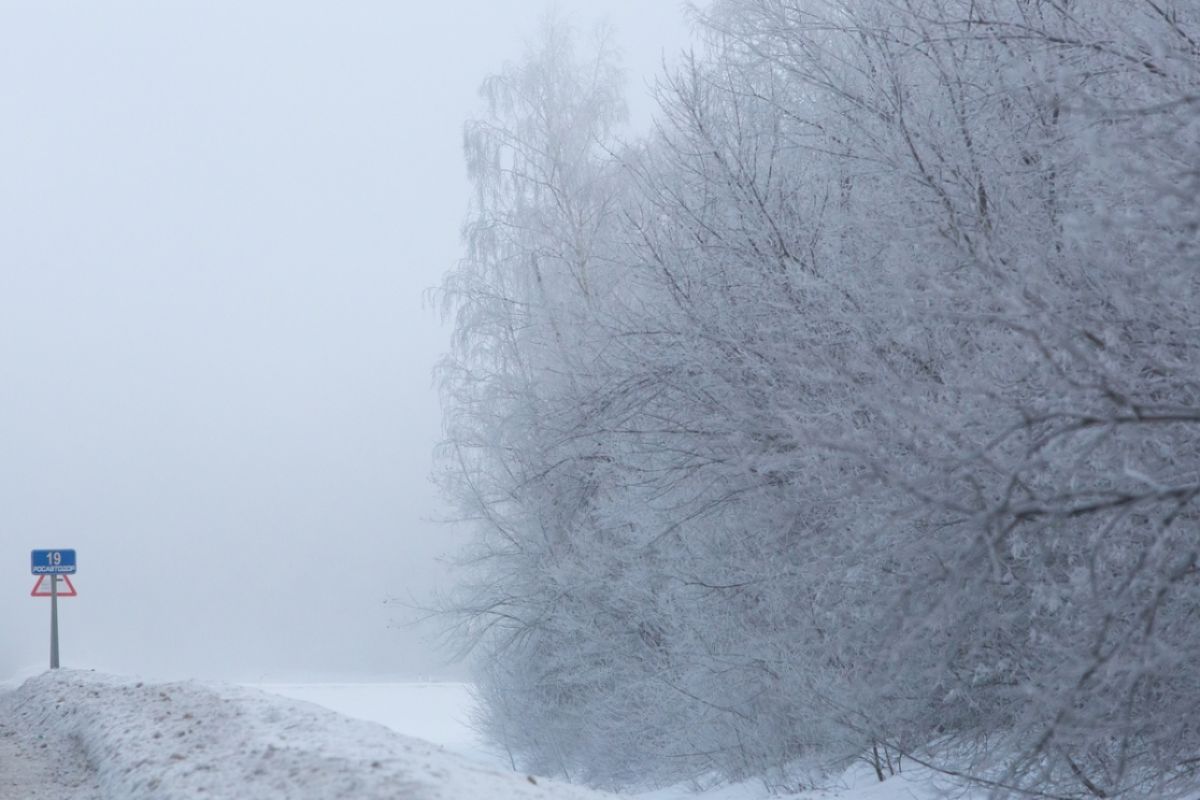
(522,373)
(854,410)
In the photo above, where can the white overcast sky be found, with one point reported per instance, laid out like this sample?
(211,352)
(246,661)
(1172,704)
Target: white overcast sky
(217,224)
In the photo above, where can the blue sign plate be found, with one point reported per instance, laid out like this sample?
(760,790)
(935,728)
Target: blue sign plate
(53,562)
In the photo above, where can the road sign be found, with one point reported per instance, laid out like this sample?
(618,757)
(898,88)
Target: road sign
(50,564)
(53,562)
(43,587)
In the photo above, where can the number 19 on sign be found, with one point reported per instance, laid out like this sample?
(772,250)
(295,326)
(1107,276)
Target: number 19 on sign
(53,562)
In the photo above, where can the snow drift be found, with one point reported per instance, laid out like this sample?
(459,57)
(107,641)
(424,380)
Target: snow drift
(182,741)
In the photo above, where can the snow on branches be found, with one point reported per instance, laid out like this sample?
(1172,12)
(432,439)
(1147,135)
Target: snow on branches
(856,408)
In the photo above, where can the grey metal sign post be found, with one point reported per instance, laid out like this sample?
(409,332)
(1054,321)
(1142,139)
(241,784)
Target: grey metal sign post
(53,622)
(53,563)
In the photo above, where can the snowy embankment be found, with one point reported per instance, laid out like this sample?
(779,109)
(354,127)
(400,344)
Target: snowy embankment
(183,741)
(440,713)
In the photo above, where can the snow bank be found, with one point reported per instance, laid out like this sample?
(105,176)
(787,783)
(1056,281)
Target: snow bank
(440,713)
(436,712)
(184,741)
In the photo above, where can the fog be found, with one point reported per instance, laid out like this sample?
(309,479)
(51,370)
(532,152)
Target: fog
(218,222)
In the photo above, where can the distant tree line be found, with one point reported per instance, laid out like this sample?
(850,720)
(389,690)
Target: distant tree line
(854,413)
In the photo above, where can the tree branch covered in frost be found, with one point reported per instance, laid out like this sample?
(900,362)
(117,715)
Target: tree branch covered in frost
(856,408)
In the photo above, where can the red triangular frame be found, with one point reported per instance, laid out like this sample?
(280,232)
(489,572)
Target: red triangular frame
(39,591)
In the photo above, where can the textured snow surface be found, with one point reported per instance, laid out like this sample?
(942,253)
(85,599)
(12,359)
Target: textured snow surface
(74,735)
(36,767)
(183,741)
(438,712)
(441,713)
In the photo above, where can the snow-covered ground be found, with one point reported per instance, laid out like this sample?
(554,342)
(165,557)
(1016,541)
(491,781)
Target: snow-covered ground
(436,712)
(74,735)
(124,739)
(441,713)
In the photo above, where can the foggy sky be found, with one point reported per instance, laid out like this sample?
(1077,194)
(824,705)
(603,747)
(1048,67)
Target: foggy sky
(217,224)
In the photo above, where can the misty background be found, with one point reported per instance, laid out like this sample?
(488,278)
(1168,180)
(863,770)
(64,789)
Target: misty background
(218,223)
